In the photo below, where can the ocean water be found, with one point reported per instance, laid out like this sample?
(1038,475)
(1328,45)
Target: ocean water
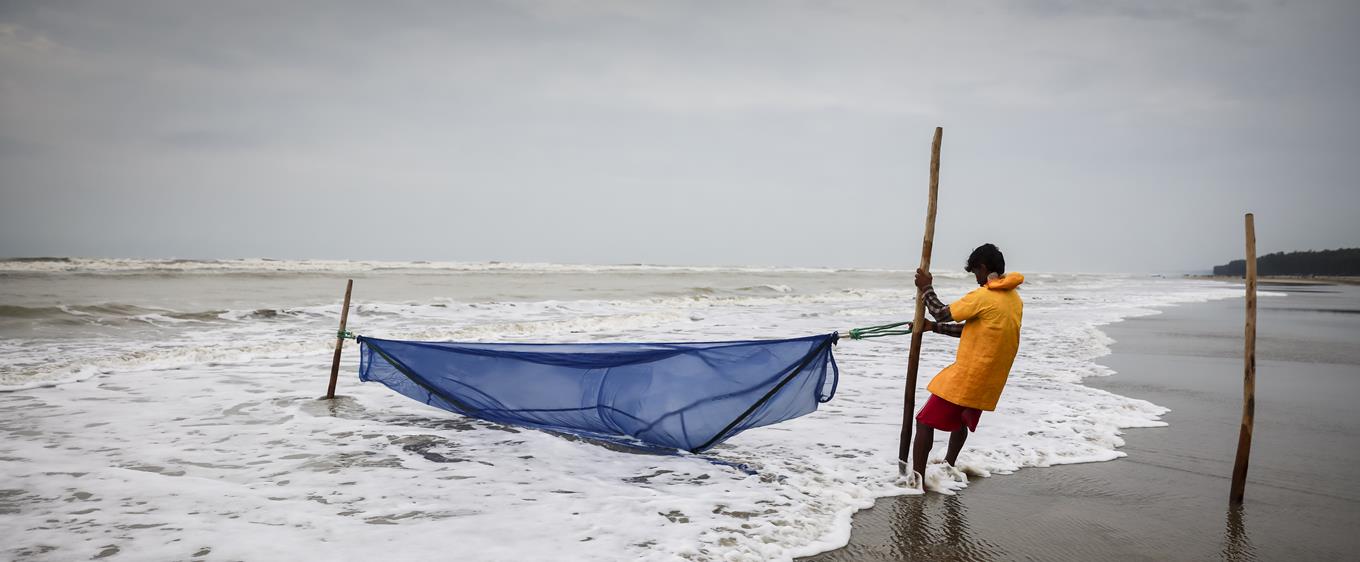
(168,410)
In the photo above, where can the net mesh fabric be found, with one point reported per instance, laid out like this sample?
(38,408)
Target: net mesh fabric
(688,396)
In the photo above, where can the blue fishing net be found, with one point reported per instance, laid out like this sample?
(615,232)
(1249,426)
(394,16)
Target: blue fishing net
(688,396)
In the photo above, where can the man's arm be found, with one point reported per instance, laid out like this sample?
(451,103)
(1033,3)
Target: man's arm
(937,309)
(952,329)
(944,319)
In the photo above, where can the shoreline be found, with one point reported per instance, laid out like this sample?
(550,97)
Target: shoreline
(1167,499)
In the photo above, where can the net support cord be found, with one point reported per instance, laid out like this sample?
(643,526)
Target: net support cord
(882,330)
(892,329)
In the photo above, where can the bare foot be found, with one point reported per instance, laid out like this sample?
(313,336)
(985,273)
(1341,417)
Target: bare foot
(916,482)
(953,473)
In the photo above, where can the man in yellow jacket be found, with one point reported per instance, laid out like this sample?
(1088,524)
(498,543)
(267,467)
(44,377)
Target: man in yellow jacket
(987,321)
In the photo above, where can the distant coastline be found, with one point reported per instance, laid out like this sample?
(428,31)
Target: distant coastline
(1288,279)
(1341,262)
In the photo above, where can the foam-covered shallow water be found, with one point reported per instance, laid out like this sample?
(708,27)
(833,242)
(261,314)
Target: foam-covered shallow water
(167,410)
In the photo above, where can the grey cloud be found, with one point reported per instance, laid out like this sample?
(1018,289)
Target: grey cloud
(1151,10)
(1079,135)
(211,140)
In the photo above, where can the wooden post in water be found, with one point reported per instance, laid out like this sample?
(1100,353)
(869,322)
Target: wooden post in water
(339,341)
(914,357)
(1239,477)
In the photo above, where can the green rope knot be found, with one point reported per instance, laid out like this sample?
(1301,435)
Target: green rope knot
(346,335)
(880,331)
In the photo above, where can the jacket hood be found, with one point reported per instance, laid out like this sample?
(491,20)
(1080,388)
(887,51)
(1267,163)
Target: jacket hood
(1007,282)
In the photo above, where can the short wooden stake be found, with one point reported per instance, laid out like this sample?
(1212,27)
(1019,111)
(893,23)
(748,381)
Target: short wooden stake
(339,341)
(1239,477)
(914,357)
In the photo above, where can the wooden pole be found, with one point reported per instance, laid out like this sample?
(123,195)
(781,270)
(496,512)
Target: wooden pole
(339,342)
(914,358)
(1239,478)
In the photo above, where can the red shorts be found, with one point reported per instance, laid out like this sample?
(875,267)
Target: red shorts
(944,415)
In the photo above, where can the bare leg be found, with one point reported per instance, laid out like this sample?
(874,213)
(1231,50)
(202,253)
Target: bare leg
(956,440)
(925,439)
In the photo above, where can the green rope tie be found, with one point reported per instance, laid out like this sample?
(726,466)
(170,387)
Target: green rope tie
(346,335)
(880,331)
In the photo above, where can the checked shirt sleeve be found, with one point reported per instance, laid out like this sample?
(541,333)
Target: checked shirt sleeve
(953,329)
(937,309)
(944,323)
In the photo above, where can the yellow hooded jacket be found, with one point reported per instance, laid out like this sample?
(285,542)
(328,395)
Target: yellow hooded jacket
(991,336)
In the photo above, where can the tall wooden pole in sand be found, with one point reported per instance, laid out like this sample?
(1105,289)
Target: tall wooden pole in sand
(914,358)
(1239,478)
(339,341)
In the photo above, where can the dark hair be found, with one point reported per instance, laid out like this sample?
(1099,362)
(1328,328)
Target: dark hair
(988,255)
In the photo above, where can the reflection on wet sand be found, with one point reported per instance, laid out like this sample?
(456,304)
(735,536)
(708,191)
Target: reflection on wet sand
(1236,543)
(935,527)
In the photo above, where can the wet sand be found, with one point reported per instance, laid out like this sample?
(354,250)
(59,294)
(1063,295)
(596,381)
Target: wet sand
(1168,499)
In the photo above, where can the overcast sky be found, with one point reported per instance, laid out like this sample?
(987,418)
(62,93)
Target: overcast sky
(1079,135)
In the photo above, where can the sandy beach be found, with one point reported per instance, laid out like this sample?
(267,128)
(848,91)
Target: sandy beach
(1167,500)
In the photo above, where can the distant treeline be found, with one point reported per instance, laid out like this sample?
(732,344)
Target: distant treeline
(1345,261)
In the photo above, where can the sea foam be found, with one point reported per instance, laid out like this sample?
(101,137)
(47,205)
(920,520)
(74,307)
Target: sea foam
(209,438)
